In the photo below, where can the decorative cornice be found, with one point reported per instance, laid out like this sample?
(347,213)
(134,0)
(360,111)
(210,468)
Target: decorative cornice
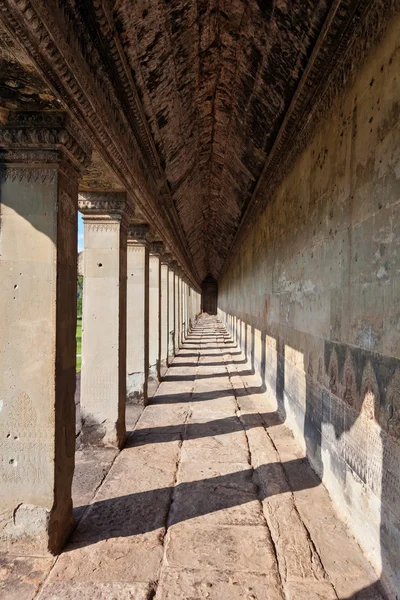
(349,30)
(30,174)
(166,258)
(34,136)
(139,233)
(110,205)
(156,248)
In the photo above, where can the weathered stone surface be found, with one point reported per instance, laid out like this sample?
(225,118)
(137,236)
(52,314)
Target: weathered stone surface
(179,584)
(314,287)
(20,578)
(239,548)
(215,494)
(206,525)
(103,379)
(39,193)
(134,559)
(67,590)
(91,466)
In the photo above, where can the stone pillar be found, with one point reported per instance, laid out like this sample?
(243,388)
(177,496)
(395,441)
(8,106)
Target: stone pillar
(180,320)
(190,308)
(137,344)
(156,249)
(177,309)
(164,313)
(171,313)
(184,305)
(41,158)
(103,378)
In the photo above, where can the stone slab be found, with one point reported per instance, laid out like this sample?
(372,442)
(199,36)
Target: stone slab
(193,584)
(21,577)
(230,447)
(129,559)
(240,548)
(68,590)
(215,494)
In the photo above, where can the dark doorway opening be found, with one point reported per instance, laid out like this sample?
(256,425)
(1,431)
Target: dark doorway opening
(209,295)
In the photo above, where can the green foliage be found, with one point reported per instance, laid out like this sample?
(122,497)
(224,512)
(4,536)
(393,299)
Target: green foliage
(80,295)
(79,344)
(79,324)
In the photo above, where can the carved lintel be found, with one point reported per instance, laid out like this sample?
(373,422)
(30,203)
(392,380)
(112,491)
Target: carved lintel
(42,137)
(166,258)
(105,205)
(139,234)
(157,248)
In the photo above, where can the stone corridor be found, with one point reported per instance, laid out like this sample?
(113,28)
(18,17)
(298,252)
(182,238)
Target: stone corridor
(210,498)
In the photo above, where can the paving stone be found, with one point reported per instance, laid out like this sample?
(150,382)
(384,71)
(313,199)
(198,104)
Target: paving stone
(129,559)
(69,590)
(91,466)
(183,584)
(215,494)
(239,548)
(228,447)
(211,498)
(21,577)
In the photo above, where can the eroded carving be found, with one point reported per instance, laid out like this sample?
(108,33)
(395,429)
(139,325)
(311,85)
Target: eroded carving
(42,131)
(111,205)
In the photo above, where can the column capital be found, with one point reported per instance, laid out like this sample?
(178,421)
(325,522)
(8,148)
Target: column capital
(105,206)
(44,137)
(157,248)
(139,234)
(166,258)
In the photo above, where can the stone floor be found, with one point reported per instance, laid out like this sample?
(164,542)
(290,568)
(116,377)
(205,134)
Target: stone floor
(210,499)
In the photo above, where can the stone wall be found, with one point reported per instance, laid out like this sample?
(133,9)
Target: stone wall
(312,296)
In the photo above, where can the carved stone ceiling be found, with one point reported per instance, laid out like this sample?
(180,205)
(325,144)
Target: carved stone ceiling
(215,79)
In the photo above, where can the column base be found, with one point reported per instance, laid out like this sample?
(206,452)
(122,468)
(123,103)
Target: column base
(153,381)
(136,389)
(36,530)
(98,432)
(163,368)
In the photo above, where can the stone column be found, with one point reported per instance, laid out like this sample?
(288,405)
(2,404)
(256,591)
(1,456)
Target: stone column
(177,309)
(184,305)
(156,249)
(164,313)
(103,378)
(137,350)
(171,313)
(190,308)
(41,159)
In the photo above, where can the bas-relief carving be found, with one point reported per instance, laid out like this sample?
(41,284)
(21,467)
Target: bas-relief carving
(25,445)
(102,227)
(139,232)
(28,174)
(156,248)
(97,206)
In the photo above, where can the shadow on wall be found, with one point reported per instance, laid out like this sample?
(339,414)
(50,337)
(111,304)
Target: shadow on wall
(345,407)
